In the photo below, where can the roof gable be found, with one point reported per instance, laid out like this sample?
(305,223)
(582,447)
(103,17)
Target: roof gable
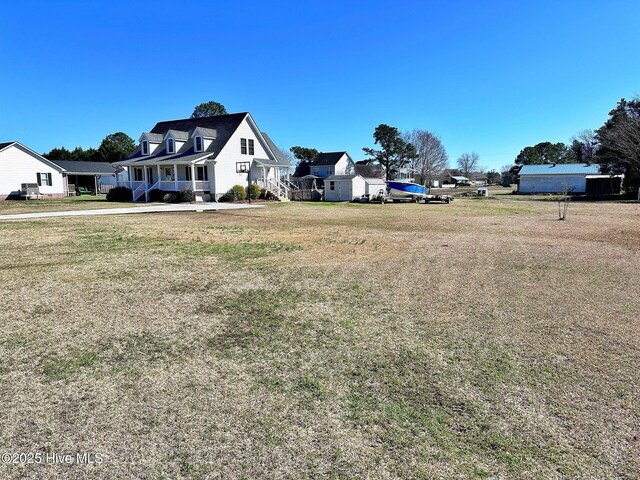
(328,158)
(35,155)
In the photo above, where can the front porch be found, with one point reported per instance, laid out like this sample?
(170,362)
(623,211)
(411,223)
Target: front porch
(169,178)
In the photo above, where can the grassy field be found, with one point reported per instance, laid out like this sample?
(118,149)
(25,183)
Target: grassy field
(481,339)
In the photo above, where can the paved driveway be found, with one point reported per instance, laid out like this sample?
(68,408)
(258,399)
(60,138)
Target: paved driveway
(180,207)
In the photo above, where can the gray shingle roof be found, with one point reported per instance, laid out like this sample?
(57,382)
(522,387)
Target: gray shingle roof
(281,159)
(208,132)
(93,168)
(329,158)
(179,135)
(154,137)
(224,125)
(341,177)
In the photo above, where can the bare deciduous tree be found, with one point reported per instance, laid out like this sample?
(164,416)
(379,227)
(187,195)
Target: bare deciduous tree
(588,143)
(468,162)
(431,157)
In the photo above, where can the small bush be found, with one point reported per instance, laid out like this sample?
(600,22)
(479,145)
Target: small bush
(238,192)
(120,194)
(253,191)
(156,195)
(186,196)
(170,197)
(267,195)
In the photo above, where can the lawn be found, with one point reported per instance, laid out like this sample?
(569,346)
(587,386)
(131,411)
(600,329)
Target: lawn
(481,339)
(60,204)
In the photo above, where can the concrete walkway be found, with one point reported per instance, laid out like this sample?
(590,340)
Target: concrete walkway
(164,208)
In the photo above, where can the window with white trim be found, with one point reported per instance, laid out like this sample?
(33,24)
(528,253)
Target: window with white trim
(187,170)
(145,147)
(198,144)
(332,186)
(251,149)
(171,146)
(138,175)
(243,146)
(44,179)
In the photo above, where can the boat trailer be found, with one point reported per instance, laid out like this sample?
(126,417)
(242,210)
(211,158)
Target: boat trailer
(383,196)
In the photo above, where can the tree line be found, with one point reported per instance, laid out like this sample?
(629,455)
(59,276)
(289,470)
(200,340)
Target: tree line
(615,146)
(421,151)
(117,146)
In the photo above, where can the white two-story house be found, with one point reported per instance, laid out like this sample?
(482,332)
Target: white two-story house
(207,155)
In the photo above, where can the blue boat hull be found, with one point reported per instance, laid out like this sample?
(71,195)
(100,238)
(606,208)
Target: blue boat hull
(405,189)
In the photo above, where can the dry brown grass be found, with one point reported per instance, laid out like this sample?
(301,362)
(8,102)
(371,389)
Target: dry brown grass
(482,339)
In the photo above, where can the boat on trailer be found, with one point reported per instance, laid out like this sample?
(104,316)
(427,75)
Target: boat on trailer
(406,191)
(401,189)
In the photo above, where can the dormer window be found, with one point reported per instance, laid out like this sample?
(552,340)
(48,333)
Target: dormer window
(198,144)
(145,147)
(171,146)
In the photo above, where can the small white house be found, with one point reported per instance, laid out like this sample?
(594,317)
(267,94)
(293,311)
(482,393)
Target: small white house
(19,164)
(346,188)
(556,178)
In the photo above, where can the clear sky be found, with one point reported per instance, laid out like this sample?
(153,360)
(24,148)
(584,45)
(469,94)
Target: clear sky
(486,76)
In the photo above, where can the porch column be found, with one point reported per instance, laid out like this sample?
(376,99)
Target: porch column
(175,176)
(193,177)
(95,182)
(146,184)
(159,178)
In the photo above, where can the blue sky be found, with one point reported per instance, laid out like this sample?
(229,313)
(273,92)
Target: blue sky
(491,77)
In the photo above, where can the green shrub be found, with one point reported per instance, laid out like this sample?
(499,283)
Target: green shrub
(156,195)
(120,194)
(267,194)
(238,192)
(186,196)
(253,190)
(170,197)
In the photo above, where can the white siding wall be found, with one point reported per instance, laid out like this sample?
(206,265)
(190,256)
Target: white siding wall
(225,174)
(373,187)
(344,166)
(345,190)
(18,166)
(552,183)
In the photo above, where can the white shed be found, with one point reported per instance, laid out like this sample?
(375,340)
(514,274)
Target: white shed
(374,185)
(346,188)
(556,178)
(343,188)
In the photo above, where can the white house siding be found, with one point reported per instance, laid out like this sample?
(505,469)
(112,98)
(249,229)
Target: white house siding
(552,183)
(344,166)
(18,166)
(225,168)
